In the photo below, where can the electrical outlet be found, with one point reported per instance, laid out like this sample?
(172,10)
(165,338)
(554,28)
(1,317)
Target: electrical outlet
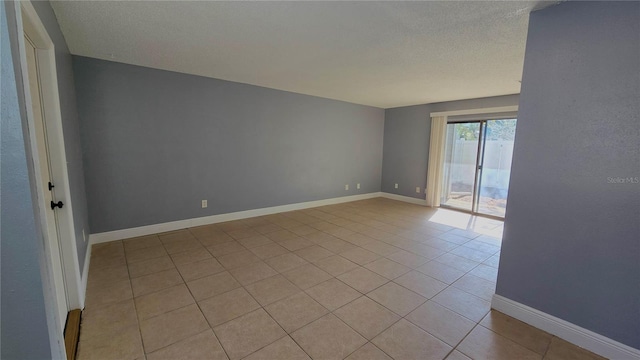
(396,186)
(358,186)
(204,204)
(418,189)
(346,187)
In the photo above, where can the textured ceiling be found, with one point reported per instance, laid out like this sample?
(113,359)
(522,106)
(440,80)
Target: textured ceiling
(384,54)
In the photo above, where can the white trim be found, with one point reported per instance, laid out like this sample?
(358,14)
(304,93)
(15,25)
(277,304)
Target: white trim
(85,272)
(187,223)
(476,111)
(403,198)
(572,333)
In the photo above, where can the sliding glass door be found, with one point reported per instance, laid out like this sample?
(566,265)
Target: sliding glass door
(477,166)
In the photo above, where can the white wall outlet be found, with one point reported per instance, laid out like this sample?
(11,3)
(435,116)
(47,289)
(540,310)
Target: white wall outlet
(418,189)
(396,185)
(204,204)
(346,187)
(358,186)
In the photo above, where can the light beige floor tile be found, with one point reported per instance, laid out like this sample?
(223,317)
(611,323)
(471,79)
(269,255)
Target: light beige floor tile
(238,259)
(214,238)
(226,248)
(285,262)
(268,228)
(307,276)
(562,350)
(407,259)
(515,330)
(333,294)
(457,355)
(248,333)
(281,235)
(337,246)
(425,251)
(303,230)
(171,327)
(328,338)
(242,233)
(155,282)
(213,285)
(404,340)
(251,273)
(421,284)
(366,317)
(228,306)
(396,298)
(268,251)
(108,294)
(178,246)
(283,349)
(486,272)
(151,266)
(231,225)
(362,279)
(482,343)
(457,262)
(175,236)
(381,248)
(493,261)
(163,301)
(107,275)
(141,242)
(336,265)
(151,252)
(313,253)
(295,311)
(124,344)
(204,346)
(465,304)
(190,256)
(200,269)
(295,243)
(471,254)
(360,256)
(441,272)
(255,241)
(387,268)
(108,319)
(272,289)
(441,322)
(368,352)
(109,249)
(477,286)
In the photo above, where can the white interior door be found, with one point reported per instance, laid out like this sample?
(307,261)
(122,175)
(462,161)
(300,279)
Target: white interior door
(52,228)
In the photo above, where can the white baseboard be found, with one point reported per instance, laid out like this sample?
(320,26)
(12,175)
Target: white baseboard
(572,333)
(404,198)
(85,273)
(187,223)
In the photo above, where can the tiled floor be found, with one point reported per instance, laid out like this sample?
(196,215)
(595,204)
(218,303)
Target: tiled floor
(374,279)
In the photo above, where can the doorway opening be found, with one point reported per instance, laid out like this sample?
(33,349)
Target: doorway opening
(477,166)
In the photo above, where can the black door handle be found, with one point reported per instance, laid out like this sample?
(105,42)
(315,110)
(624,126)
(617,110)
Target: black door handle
(58,204)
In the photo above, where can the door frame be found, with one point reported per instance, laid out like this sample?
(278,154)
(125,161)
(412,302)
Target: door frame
(28,22)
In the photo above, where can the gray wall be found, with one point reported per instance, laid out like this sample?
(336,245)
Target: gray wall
(571,245)
(406,142)
(23,329)
(70,127)
(156,143)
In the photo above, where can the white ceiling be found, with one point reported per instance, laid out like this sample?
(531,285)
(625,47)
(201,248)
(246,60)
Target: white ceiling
(383,54)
